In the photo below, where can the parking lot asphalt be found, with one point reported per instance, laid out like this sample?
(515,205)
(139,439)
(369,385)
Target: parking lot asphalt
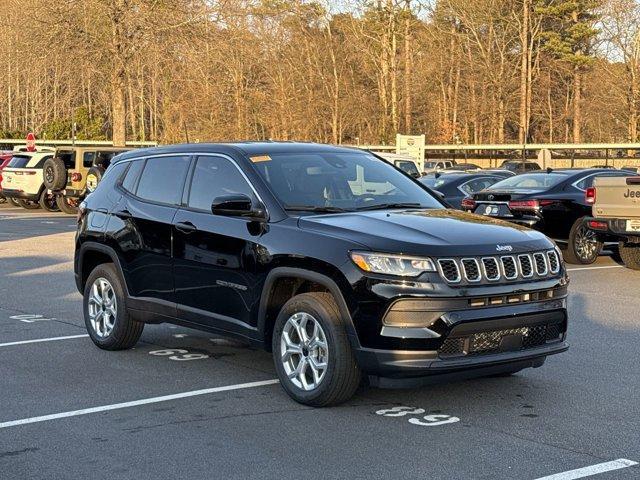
(184,403)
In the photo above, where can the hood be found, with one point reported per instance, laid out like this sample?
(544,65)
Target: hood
(440,233)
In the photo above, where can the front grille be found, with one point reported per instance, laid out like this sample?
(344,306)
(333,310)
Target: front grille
(526,266)
(507,268)
(449,270)
(483,343)
(491,270)
(541,263)
(471,269)
(554,263)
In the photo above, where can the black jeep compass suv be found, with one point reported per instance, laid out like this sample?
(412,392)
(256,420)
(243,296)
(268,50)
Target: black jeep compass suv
(342,265)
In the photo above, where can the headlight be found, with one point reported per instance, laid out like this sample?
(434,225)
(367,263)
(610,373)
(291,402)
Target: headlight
(559,252)
(392,264)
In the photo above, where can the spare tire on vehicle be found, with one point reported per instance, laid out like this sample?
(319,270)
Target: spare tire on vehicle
(94,175)
(55,174)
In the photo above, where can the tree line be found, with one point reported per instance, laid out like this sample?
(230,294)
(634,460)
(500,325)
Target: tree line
(338,71)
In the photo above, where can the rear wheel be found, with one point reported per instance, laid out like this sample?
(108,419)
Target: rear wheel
(312,353)
(13,202)
(105,314)
(28,204)
(48,202)
(630,255)
(67,205)
(583,246)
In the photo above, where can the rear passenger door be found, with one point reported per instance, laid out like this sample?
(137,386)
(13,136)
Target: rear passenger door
(141,225)
(215,256)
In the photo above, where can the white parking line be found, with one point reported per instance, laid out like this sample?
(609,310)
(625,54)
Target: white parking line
(593,268)
(592,470)
(135,403)
(39,340)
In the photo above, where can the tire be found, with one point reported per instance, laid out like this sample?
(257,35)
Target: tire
(28,204)
(55,174)
(110,332)
(66,205)
(583,247)
(94,176)
(48,202)
(2,199)
(630,255)
(13,201)
(341,376)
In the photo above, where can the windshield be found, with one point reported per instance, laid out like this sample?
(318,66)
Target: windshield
(339,181)
(529,180)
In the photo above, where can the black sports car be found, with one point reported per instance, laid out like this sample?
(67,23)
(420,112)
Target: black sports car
(456,186)
(551,201)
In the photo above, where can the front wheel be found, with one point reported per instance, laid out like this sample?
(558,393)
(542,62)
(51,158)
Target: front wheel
(312,354)
(67,205)
(630,255)
(583,246)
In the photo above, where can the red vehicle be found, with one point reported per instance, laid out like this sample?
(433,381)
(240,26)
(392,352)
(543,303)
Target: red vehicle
(5,158)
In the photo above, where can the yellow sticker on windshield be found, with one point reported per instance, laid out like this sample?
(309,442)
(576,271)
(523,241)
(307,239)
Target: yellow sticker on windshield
(260,158)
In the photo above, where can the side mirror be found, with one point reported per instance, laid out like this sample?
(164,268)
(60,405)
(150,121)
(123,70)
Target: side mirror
(238,206)
(439,194)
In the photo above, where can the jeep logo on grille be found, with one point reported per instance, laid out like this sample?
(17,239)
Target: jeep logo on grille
(491,197)
(504,248)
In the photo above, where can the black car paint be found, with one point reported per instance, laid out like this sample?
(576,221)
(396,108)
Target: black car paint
(230,274)
(554,220)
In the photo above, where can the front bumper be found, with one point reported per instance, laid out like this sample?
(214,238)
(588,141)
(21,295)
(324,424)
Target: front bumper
(473,348)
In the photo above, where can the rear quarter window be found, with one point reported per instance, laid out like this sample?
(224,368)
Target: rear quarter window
(19,161)
(133,173)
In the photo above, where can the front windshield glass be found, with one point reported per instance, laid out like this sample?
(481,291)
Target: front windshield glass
(529,180)
(339,181)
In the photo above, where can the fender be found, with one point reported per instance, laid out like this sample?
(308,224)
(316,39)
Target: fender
(312,276)
(97,247)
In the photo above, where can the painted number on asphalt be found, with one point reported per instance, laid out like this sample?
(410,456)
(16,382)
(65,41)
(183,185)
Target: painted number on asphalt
(179,354)
(29,318)
(425,421)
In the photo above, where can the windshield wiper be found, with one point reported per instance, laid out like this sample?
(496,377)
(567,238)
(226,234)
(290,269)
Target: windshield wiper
(383,206)
(316,209)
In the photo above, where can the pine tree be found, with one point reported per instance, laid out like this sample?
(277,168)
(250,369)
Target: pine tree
(569,34)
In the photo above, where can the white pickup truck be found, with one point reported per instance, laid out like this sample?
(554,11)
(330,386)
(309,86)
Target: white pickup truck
(616,213)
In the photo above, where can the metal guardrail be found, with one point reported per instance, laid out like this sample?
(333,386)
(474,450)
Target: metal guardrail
(517,146)
(77,143)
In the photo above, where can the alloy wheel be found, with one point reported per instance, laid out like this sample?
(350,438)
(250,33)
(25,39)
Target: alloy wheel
(102,307)
(586,244)
(303,351)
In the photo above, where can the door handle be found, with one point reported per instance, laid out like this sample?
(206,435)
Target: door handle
(123,214)
(186,227)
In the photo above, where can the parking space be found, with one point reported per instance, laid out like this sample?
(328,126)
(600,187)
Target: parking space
(184,403)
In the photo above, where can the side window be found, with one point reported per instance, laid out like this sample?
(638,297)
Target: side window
(112,175)
(214,177)
(162,179)
(131,178)
(87,159)
(68,158)
(586,182)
